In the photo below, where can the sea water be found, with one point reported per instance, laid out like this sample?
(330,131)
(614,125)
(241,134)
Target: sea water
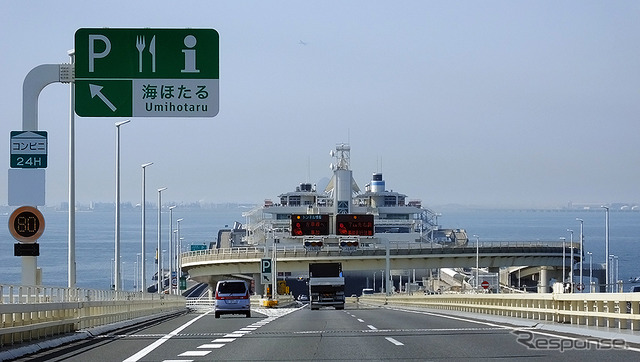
(95,238)
(95,243)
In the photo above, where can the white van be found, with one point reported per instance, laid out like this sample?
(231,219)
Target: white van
(232,297)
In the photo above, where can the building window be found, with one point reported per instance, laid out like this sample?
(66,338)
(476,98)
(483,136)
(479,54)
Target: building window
(390,201)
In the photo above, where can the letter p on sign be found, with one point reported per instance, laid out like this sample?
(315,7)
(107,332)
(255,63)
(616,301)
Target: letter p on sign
(266,266)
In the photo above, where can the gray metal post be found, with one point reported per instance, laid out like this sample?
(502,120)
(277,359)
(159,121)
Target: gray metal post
(477,259)
(571,258)
(387,272)
(169,249)
(581,252)
(606,246)
(178,250)
(34,82)
(117,274)
(563,262)
(143,272)
(72,181)
(159,250)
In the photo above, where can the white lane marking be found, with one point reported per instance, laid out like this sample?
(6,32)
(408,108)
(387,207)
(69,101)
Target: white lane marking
(194,354)
(372,327)
(136,357)
(223,340)
(501,326)
(212,346)
(230,337)
(360,320)
(233,335)
(394,341)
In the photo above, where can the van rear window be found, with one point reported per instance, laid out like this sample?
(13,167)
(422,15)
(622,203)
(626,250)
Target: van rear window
(232,288)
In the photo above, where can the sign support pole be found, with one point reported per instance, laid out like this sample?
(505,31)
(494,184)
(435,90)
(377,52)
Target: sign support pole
(72,180)
(35,81)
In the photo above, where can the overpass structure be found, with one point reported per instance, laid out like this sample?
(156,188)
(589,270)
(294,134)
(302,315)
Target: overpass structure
(208,266)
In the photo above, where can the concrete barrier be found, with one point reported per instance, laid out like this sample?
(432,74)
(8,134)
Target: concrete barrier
(611,310)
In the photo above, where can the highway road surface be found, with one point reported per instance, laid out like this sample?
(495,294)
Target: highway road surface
(358,333)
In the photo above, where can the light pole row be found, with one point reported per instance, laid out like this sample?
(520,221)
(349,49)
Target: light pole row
(608,281)
(116,274)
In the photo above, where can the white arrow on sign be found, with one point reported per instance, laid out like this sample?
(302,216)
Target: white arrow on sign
(96,90)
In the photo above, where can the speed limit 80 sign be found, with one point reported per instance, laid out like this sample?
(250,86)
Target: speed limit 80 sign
(26,224)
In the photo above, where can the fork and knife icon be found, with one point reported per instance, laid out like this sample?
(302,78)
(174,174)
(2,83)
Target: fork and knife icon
(140,45)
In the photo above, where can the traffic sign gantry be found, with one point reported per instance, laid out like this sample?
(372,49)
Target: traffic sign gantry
(26,224)
(146,72)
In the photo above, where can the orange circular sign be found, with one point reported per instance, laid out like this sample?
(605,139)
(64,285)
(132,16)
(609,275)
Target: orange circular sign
(26,224)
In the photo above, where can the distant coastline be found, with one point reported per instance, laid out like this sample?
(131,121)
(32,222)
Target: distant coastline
(198,205)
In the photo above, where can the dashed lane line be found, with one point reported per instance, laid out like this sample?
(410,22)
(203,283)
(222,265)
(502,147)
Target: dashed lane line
(394,341)
(230,337)
(223,340)
(136,357)
(212,345)
(194,354)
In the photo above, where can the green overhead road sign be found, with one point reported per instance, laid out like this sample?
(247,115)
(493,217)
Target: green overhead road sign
(146,72)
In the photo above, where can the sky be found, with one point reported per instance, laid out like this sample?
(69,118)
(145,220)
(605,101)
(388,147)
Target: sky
(495,103)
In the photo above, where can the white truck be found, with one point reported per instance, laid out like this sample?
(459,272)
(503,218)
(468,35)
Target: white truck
(326,285)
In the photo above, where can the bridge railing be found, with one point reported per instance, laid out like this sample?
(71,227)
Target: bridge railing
(610,310)
(374,248)
(34,312)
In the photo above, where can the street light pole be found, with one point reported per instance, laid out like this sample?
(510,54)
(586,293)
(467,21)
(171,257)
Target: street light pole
(170,250)
(477,258)
(590,269)
(143,272)
(571,260)
(137,275)
(617,277)
(563,261)
(117,241)
(606,246)
(178,250)
(159,250)
(581,250)
(175,237)
(71,256)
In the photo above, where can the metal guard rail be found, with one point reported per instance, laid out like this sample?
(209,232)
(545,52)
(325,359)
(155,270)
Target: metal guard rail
(231,254)
(610,310)
(33,312)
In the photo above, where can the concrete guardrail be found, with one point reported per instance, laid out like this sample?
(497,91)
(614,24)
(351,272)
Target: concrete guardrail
(611,310)
(30,313)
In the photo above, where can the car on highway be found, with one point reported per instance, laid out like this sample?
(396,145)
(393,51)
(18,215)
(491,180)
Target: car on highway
(303,298)
(232,297)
